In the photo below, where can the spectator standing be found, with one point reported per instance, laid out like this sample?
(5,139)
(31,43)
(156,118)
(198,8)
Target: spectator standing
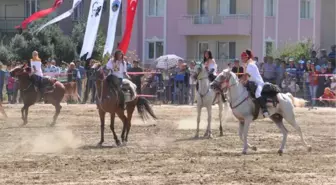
(2,81)
(237,69)
(323,57)
(73,73)
(136,79)
(80,80)
(291,69)
(313,83)
(192,82)
(332,54)
(329,68)
(269,70)
(90,85)
(322,81)
(313,57)
(280,72)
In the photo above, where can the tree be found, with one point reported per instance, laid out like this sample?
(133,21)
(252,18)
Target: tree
(5,54)
(78,33)
(295,50)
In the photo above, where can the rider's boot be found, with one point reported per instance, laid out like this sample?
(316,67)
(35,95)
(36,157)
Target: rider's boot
(262,103)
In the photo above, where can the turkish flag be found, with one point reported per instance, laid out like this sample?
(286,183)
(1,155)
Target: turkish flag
(39,14)
(131,9)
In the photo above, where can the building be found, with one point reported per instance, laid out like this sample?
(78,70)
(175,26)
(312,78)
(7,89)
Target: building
(226,27)
(188,27)
(328,23)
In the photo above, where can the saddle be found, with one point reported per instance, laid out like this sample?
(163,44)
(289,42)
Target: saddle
(269,93)
(48,83)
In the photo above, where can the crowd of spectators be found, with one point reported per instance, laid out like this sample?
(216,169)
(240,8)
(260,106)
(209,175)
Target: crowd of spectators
(309,78)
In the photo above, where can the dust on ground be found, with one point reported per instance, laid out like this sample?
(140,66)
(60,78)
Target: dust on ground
(163,151)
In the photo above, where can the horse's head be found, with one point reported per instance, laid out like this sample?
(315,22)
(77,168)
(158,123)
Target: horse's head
(224,81)
(201,72)
(98,71)
(20,71)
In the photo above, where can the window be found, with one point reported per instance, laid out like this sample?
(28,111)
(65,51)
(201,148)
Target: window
(78,12)
(226,7)
(204,7)
(268,48)
(156,8)
(270,8)
(31,6)
(155,49)
(202,46)
(226,50)
(306,10)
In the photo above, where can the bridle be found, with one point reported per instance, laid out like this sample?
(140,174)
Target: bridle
(17,74)
(228,85)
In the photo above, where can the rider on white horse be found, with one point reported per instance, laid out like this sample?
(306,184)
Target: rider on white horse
(252,73)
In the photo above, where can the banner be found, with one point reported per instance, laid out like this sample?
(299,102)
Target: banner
(131,9)
(39,14)
(62,16)
(92,25)
(114,13)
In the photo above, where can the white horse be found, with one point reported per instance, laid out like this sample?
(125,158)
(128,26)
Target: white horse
(205,98)
(243,108)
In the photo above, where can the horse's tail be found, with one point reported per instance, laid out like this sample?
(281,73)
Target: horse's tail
(143,107)
(297,102)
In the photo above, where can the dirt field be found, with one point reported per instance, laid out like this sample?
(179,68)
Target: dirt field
(161,152)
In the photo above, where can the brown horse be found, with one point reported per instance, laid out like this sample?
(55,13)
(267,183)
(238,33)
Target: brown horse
(30,95)
(108,102)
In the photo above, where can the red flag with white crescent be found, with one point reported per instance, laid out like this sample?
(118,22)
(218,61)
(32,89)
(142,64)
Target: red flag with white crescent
(131,9)
(39,14)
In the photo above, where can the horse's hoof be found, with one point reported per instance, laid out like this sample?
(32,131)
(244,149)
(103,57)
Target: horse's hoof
(244,152)
(254,148)
(100,144)
(280,152)
(196,136)
(209,136)
(52,124)
(310,148)
(221,134)
(118,143)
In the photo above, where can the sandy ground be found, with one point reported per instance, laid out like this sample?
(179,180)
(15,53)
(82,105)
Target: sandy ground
(162,152)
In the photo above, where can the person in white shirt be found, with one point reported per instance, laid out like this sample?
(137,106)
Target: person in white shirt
(252,74)
(210,64)
(118,70)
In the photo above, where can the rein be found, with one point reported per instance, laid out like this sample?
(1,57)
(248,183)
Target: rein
(25,89)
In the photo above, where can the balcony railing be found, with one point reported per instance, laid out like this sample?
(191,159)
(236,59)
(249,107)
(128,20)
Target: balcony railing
(217,19)
(7,24)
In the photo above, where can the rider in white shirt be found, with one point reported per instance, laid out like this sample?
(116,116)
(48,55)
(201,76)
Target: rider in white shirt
(210,64)
(252,73)
(118,68)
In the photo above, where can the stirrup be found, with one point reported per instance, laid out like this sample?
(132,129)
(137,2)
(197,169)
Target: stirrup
(266,114)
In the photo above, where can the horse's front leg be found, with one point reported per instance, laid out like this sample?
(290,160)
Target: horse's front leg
(102,126)
(220,105)
(24,114)
(199,112)
(245,132)
(208,133)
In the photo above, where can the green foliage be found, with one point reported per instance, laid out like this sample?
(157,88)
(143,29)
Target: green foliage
(78,36)
(50,42)
(5,54)
(295,50)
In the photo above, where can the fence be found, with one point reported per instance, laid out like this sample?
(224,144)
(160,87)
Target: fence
(176,90)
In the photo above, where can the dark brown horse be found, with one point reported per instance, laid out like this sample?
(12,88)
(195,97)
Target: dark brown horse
(107,102)
(30,95)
